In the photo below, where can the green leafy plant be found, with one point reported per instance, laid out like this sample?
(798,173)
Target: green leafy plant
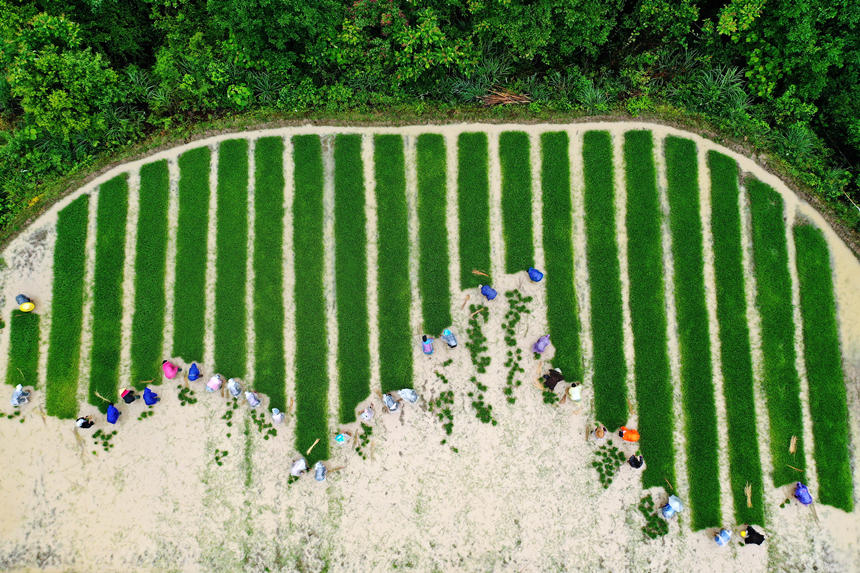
(483,411)
(476,343)
(186,396)
(608,460)
(104,438)
(363,439)
(655,526)
(219,456)
(442,406)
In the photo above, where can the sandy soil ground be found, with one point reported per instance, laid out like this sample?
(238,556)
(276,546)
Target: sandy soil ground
(519,496)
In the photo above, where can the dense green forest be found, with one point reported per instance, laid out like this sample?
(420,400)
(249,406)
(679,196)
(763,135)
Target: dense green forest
(84,77)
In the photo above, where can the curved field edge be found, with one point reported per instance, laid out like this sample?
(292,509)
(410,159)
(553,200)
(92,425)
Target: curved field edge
(315,131)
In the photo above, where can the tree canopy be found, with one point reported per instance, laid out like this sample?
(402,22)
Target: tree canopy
(83,76)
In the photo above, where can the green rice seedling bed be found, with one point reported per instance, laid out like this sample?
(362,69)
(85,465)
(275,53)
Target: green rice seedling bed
(147,328)
(433,277)
(107,290)
(773,299)
(350,237)
(269,368)
(67,309)
(23,365)
(193,225)
(700,412)
(648,310)
(744,462)
(473,207)
(516,200)
(610,391)
(311,341)
(827,401)
(395,336)
(231,257)
(561,311)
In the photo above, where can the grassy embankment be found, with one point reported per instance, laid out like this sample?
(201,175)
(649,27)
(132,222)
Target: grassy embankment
(433,278)
(773,299)
(694,343)
(269,368)
(147,328)
(561,310)
(23,364)
(648,310)
(107,290)
(473,207)
(395,336)
(311,338)
(67,301)
(350,260)
(189,292)
(516,200)
(610,370)
(827,401)
(735,353)
(231,258)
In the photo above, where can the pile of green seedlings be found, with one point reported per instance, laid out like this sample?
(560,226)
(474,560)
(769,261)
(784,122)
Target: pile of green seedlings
(186,396)
(517,306)
(514,368)
(228,415)
(104,438)
(609,460)
(265,427)
(483,411)
(363,439)
(549,397)
(655,526)
(12,416)
(476,343)
(219,456)
(441,406)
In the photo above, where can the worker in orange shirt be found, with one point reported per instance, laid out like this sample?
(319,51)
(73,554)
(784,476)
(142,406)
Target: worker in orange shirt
(628,434)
